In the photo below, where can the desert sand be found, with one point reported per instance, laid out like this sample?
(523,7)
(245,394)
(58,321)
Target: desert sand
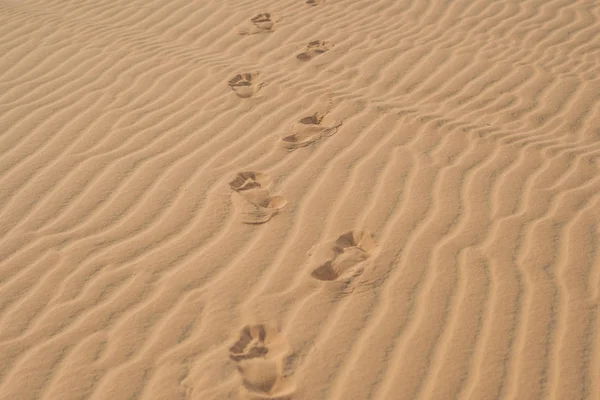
(300,200)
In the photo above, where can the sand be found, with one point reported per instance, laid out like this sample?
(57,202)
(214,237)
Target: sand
(291,199)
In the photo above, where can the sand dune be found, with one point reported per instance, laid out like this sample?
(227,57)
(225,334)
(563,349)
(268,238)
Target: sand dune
(299,199)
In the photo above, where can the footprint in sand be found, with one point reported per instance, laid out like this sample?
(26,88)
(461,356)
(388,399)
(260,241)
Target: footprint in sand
(256,341)
(313,49)
(309,130)
(313,2)
(261,23)
(250,180)
(336,258)
(246,85)
(253,200)
(259,207)
(263,361)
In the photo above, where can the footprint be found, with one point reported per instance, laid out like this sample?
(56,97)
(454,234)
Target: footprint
(251,344)
(263,379)
(261,23)
(246,85)
(340,256)
(262,355)
(253,200)
(259,376)
(313,49)
(258,206)
(313,2)
(250,180)
(308,131)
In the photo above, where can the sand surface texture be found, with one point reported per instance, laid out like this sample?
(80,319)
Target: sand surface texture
(302,200)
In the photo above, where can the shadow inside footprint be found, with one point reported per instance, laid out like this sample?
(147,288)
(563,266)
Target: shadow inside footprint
(309,130)
(313,2)
(250,180)
(261,23)
(259,207)
(253,200)
(345,252)
(245,85)
(313,49)
(251,343)
(261,354)
(259,376)
(314,119)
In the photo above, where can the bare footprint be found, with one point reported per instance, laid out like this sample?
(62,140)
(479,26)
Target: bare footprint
(261,23)
(258,206)
(253,200)
(251,344)
(313,49)
(246,85)
(309,130)
(262,356)
(250,180)
(334,259)
(308,136)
